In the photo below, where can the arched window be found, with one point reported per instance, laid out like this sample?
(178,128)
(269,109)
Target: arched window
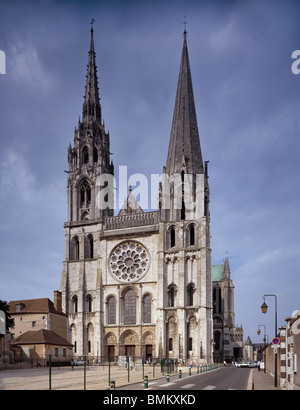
(85,155)
(190,295)
(130,307)
(147,309)
(74,249)
(192,235)
(111,311)
(75,304)
(85,194)
(95,155)
(171,296)
(172,237)
(89,303)
(217,337)
(89,247)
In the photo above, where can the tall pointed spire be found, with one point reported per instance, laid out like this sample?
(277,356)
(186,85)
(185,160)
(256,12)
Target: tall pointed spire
(91,105)
(184,146)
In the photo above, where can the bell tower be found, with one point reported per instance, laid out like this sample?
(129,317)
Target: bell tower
(89,158)
(184,193)
(185,232)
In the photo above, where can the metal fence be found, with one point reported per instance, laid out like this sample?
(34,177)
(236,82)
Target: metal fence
(91,373)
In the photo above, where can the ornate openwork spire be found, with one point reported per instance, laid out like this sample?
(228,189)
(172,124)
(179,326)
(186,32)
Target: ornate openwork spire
(91,105)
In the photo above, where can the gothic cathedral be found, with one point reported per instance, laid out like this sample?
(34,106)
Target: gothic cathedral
(140,283)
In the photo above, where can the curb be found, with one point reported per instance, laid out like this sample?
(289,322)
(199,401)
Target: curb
(250,385)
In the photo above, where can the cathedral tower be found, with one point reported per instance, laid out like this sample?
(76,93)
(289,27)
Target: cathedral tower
(89,158)
(185,229)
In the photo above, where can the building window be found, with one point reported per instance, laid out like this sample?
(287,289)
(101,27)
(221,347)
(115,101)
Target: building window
(130,307)
(192,235)
(75,304)
(172,297)
(74,249)
(111,311)
(190,344)
(89,247)
(172,236)
(147,309)
(33,324)
(85,155)
(190,295)
(95,155)
(170,344)
(89,303)
(217,340)
(85,194)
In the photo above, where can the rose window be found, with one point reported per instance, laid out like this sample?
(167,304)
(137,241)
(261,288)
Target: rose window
(129,261)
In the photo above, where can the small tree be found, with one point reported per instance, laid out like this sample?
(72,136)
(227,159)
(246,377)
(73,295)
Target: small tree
(9,321)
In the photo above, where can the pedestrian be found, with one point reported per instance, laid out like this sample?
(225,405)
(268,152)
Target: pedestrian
(224,363)
(72,364)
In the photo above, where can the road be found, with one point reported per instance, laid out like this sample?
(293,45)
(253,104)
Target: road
(224,378)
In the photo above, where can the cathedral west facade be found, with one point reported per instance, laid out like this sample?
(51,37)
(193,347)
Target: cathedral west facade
(139,283)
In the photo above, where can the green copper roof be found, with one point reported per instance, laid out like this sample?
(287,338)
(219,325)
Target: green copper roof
(216,272)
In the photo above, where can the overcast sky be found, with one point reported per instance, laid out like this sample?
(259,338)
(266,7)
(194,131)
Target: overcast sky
(248,109)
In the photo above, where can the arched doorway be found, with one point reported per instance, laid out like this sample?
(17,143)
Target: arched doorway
(129,343)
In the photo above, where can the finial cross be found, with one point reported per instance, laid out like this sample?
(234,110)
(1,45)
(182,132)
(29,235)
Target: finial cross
(185,23)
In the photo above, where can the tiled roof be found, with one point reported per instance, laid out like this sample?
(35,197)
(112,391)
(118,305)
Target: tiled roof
(43,305)
(41,336)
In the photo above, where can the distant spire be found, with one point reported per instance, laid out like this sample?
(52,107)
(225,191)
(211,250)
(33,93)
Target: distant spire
(91,105)
(226,269)
(184,139)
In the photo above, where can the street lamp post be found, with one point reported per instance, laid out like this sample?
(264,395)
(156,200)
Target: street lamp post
(264,309)
(265,342)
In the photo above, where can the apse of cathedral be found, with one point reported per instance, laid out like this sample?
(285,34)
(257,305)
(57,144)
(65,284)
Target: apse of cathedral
(139,283)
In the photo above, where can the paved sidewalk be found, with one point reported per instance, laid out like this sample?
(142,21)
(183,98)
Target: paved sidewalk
(264,381)
(64,378)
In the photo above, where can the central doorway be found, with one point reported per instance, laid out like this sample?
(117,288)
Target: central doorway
(111,352)
(149,352)
(130,350)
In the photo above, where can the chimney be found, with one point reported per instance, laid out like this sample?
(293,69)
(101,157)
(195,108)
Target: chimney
(58,301)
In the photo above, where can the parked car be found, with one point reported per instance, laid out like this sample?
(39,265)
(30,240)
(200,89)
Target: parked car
(251,364)
(246,364)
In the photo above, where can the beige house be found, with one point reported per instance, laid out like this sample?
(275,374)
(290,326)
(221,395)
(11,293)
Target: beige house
(38,345)
(37,314)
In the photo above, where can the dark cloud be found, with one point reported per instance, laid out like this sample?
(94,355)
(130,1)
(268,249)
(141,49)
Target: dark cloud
(247,106)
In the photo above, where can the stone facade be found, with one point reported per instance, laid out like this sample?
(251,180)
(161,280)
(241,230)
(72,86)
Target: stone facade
(139,283)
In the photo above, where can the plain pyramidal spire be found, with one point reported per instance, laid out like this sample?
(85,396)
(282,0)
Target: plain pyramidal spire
(184,147)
